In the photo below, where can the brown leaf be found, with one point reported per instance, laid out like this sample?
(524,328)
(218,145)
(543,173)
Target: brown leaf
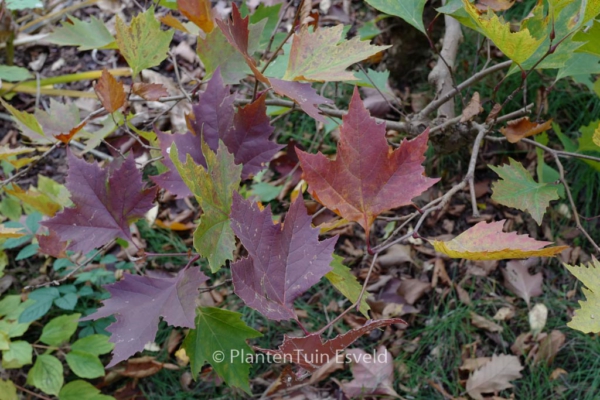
(472,109)
(199,12)
(142,367)
(66,137)
(440,273)
(494,5)
(150,91)
(522,128)
(51,245)
(110,92)
(471,364)
(484,323)
(522,344)
(549,347)
(494,113)
(463,295)
(504,314)
(396,254)
(413,289)
(373,373)
(518,280)
(173,22)
(557,373)
(494,376)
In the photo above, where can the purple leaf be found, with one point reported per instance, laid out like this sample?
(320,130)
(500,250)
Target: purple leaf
(139,301)
(303,94)
(284,260)
(107,200)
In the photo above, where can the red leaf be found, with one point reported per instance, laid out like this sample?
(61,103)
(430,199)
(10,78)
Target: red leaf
(139,301)
(52,245)
(150,91)
(66,137)
(106,201)
(110,92)
(303,94)
(310,352)
(367,177)
(284,260)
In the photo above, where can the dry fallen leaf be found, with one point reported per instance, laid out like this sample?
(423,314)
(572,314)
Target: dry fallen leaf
(504,314)
(537,318)
(396,254)
(494,376)
(484,323)
(412,290)
(518,280)
(472,109)
(142,367)
(471,364)
(373,373)
(549,347)
(522,128)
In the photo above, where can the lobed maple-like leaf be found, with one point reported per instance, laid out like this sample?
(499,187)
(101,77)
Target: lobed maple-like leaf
(373,373)
(518,189)
(107,201)
(487,242)
(310,351)
(87,35)
(587,319)
(367,176)
(302,94)
(199,12)
(110,92)
(284,260)
(324,56)
(494,376)
(137,303)
(143,43)
(213,187)
(409,11)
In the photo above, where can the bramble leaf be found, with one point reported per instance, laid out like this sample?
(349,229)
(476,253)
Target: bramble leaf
(586,318)
(410,11)
(213,187)
(487,242)
(81,390)
(86,35)
(518,189)
(46,374)
(367,177)
(139,301)
(59,330)
(143,43)
(106,201)
(221,332)
(284,260)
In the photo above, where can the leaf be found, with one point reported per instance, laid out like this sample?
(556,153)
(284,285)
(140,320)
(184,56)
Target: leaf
(34,198)
(373,373)
(518,46)
(310,352)
(107,201)
(94,344)
(8,391)
(343,280)
(367,177)
(324,56)
(494,376)
(302,94)
(586,319)
(44,298)
(518,189)
(284,260)
(143,44)
(59,330)
(11,232)
(213,188)
(223,331)
(110,92)
(494,5)
(139,301)
(484,323)
(46,374)
(409,11)
(150,91)
(590,39)
(522,128)
(199,12)
(487,242)
(596,136)
(81,390)
(27,123)
(86,35)
(52,245)
(23,4)
(472,109)
(84,364)
(18,354)
(11,73)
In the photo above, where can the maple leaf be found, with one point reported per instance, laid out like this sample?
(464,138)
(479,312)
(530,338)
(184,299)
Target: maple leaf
(522,128)
(150,91)
(367,177)
(199,12)
(409,11)
(302,94)
(494,376)
(137,303)
(35,199)
(87,35)
(518,280)
(586,319)
(518,189)
(213,187)
(52,245)
(223,331)
(110,92)
(143,44)
(373,373)
(343,280)
(494,5)
(284,260)
(487,242)
(324,56)
(107,201)
(310,352)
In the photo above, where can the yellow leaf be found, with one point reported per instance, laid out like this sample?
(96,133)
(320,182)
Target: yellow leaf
(487,242)
(518,46)
(10,232)
(35,199)
(596,137)
(587,318)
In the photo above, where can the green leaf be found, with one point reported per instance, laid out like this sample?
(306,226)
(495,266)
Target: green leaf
(409,10)
(371,79)
(579,64)
(590,39)
(213,188)
(344,281)
(13,328)
(143,43)
(586,318)
(43,301)
(81,390)
(14,74)
(271,14)
(546,173)
(86,35)
(586,143)
(9,303)
(23,4)
(46,374)
(221,333)
(26,122)
(55,191)
(518,189)
(8,391)
(66,302)
(60,329)
(93,344)
(10,208)
(265,191)
(85,365)
(4,341)
(18,355)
